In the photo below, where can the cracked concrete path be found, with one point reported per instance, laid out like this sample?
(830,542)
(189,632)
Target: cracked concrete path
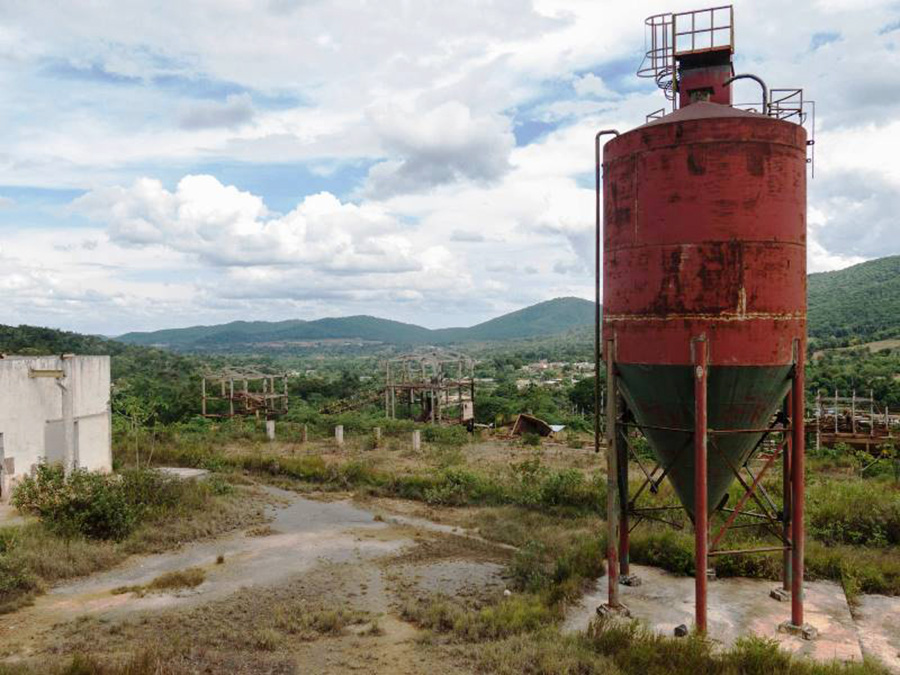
(303,533)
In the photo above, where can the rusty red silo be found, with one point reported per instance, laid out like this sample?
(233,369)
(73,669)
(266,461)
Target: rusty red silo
(704,234)
(704,297)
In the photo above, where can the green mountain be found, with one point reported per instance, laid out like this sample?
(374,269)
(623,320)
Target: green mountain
(546,318)
(859,303)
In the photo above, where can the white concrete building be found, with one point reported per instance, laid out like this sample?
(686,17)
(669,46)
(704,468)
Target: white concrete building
(53,409)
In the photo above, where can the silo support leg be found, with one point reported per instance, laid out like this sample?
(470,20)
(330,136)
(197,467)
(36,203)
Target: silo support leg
(613,511)
(626,578)
(798,451)
(701,532)
(783,592)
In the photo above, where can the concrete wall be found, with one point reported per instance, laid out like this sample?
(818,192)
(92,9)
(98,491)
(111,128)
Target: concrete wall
(31,413)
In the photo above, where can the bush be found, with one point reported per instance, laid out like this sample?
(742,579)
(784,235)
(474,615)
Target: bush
(531,439)
(457,487)
(673,551)
(83,503)
(566,487)
(563,572)
(862,513)
(452,435)
(100,506)
(16,580)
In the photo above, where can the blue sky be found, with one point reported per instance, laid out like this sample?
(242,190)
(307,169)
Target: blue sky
(175,163)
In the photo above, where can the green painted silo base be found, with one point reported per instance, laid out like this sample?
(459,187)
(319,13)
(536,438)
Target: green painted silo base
(738,397)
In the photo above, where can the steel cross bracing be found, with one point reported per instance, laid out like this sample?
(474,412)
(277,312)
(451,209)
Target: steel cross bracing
(768,515)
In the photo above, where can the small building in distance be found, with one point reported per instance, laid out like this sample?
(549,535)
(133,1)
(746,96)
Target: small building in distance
(53,409)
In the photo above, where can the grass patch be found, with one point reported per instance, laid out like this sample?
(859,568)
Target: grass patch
(32,558)
(862,512)
(629,649)
(142,663)
(261,531)
(511,616)
(170,581)
(242,626)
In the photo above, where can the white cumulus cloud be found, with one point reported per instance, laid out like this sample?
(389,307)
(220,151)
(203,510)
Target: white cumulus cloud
(441,145)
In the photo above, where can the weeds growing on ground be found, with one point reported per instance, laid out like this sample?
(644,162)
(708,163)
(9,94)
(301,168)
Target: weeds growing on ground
(170,581)
(511,616)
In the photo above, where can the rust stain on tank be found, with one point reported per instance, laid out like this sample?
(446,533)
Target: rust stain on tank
(696,161)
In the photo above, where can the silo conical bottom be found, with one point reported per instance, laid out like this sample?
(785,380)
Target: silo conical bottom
(738,397)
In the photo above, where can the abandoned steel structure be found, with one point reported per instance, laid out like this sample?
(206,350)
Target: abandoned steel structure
(441,382)
(855,420)
(704,298)
(243,392)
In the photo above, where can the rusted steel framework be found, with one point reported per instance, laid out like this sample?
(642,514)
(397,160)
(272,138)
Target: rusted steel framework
(243,392)
(689,56)
(691,34)
(439,384)
(360,400)
(858,421)
(704,309)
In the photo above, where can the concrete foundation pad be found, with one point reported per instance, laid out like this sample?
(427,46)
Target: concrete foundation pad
(737,608)
(878,620)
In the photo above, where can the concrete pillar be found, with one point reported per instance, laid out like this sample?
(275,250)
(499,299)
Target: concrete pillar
(339,435)
(270,429)
(417,440)
(304,437)
(70,460)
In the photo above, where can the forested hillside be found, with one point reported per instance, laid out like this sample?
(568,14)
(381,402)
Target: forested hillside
(545,318)
(855,305)
(553,317)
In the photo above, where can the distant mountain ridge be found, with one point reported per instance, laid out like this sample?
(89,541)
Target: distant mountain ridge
(543,319)
(859,303)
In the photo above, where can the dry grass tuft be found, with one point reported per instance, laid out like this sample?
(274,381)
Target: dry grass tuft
(170,581)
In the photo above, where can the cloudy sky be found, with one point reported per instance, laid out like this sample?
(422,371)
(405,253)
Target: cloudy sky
(197,161)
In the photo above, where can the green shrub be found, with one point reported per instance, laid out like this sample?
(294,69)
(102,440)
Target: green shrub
(100,506)
(531,439)
(456,487)
(451,435)
(16,580)
(863,513)
(673,551)
(81,504)
(565,488)
(529,569)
